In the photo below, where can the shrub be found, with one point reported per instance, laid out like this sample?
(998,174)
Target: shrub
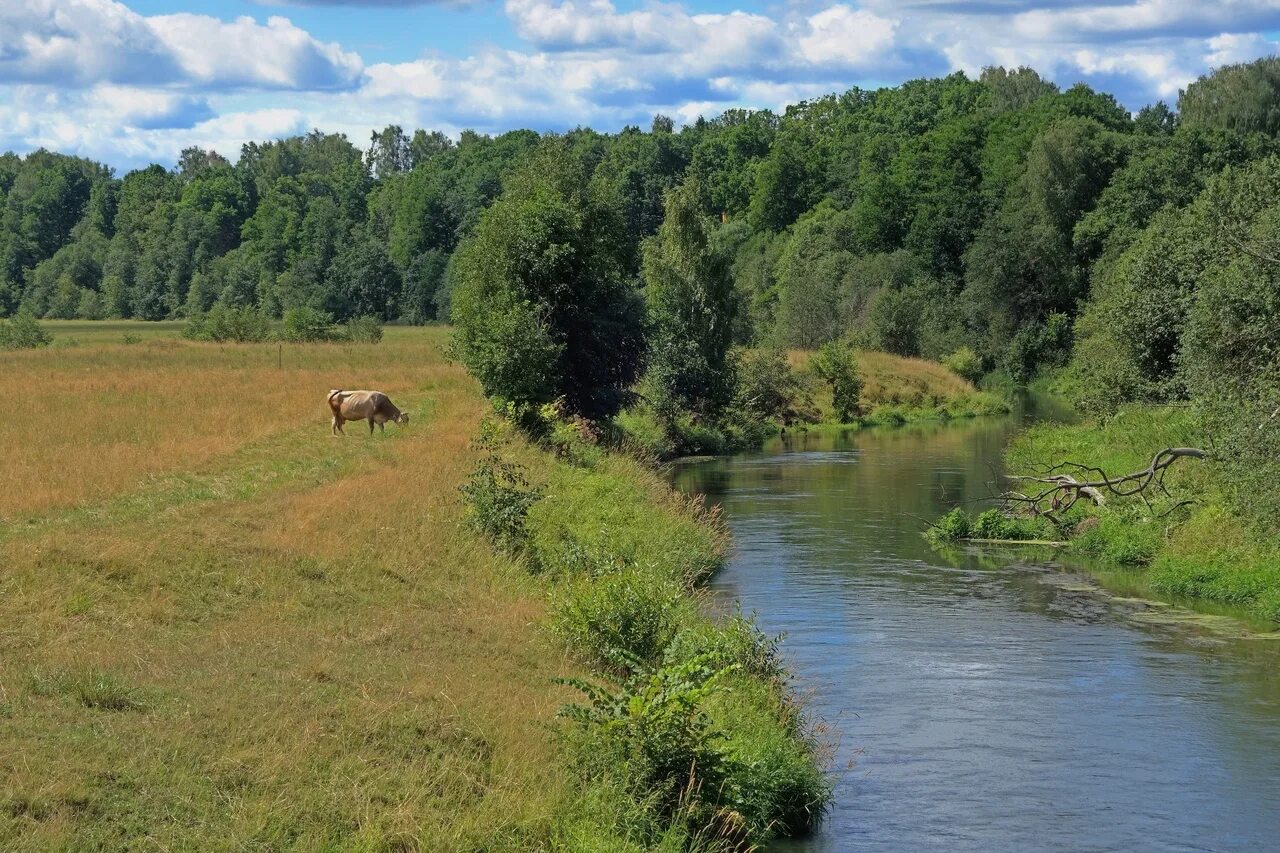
(835,364)
(767,386)
(499,496)
(225,324)
(653,730)
(736,642)
(91,306)
(643,432)
(23,332)
(363,330)
(952,526)
(772,782)
(305,325)
(623,617)
(1121,537)
(544,305)
(964,362)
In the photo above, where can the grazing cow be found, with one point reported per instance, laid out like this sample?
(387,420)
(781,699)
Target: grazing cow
(372,406)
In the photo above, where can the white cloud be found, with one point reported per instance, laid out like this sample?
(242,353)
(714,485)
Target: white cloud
(96,77)
(842,35)
(243,53)
(1146,16)
(1229,48)
(89,42)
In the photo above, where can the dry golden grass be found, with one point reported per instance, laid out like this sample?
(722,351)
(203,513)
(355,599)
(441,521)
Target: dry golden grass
(295,646)
(892,380)
(90,421)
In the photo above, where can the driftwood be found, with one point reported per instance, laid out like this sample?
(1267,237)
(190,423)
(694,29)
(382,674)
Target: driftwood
(1067,482)
(1046,543)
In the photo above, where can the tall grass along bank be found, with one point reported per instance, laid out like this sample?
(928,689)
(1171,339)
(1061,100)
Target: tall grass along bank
(1184,534)
(687,719)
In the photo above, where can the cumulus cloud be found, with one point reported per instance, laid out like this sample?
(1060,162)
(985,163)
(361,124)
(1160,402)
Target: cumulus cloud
(88,42)
(97,77)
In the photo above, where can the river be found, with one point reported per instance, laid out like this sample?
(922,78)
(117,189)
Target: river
(984,702)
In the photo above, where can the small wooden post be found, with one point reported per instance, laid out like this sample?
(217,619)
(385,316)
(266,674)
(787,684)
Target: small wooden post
(280,356)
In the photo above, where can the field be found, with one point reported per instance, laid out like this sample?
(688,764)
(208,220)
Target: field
(222,628)
(897,389)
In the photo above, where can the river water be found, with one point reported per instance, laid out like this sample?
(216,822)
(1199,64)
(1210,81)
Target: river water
(982,702)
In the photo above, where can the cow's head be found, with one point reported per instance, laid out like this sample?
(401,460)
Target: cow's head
(402,418)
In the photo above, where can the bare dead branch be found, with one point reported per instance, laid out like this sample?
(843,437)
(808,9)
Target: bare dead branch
(1063,489)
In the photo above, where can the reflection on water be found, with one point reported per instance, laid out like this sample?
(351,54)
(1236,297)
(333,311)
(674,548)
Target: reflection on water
(984,702)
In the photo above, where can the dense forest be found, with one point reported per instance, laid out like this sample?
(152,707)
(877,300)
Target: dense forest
(1020,225)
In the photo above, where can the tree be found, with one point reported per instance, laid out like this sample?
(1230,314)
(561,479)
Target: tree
(426,146)
(362,281)
(835,364)
(542,306)
(390,152)
(421,285)
(1244,98)
(1013,90)
(194,162)
(692,307)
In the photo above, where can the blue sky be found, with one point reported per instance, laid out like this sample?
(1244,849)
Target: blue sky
(136,81)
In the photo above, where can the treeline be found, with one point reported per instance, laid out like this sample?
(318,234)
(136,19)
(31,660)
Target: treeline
(999,214)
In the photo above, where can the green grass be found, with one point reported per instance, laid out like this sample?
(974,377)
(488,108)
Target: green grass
(289,641)
(1199,552)
(677,696)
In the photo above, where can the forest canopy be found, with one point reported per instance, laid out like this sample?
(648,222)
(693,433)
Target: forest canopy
(1030,225)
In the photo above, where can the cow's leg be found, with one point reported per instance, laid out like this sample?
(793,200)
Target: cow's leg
(337,425)
(382,426)
(371,425)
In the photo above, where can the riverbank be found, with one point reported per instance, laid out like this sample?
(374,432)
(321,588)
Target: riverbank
(1184,540)
(783,392)
(686,728)
(955,679)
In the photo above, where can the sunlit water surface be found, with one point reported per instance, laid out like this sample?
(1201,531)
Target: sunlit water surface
(983,702)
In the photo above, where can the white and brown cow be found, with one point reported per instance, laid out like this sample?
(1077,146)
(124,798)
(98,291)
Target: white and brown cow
(372,406)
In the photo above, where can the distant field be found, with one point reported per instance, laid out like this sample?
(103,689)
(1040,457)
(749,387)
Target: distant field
(910,385)
(93,416)
(220,628)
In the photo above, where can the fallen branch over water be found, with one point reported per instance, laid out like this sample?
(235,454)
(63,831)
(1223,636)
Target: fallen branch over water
(1089,481)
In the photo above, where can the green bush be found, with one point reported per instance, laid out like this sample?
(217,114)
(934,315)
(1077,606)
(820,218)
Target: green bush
(225,324)
(23,332)
(616,619)
(653,731)
(772,781)
(499,496)
(835,364)
(1120,537)
(642,431)
(363,330)
(952,526)
(738,641)
(767,386)
(964,362)
(306,325)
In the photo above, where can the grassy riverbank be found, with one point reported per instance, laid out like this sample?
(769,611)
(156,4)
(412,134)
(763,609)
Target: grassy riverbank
(893,390)
(898,390)
(690,718)
(223,627)
(1187,543)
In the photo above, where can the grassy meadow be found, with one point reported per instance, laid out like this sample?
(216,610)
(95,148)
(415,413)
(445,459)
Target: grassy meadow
(896,389)
(221,628)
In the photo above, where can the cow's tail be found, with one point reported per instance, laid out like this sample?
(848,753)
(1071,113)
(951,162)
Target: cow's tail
(334,393)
